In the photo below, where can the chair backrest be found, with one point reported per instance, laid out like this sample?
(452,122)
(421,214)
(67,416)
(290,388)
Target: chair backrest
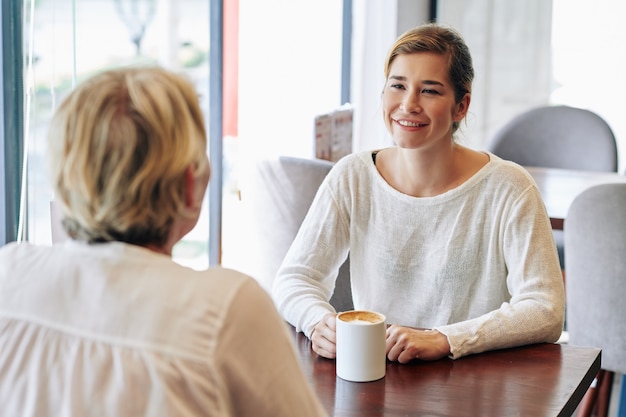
(279,196)
(595,260)
(558,137)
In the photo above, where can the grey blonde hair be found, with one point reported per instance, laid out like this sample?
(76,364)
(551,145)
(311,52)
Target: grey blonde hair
(119,147)
(436,38)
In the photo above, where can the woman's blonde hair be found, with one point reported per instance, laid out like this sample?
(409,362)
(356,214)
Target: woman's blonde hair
(119,147)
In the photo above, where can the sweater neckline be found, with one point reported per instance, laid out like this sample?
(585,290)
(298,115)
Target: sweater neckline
(475,179)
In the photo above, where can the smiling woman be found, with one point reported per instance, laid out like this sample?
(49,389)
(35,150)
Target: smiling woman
(419,97)
(451,244)
(427,94)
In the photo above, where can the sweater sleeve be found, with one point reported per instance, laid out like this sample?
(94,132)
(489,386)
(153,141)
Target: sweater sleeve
(258,363)
(535,312)
(306,279)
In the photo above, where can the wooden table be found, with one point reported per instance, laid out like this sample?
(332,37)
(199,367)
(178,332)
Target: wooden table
(559,187)
(532,381)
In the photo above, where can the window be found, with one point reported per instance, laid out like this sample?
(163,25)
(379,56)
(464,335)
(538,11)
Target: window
(66,41)
(588,58)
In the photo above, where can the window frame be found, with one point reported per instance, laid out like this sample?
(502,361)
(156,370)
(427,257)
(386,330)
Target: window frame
(11,120)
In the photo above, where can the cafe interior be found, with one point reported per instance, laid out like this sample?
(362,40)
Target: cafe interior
(547,95)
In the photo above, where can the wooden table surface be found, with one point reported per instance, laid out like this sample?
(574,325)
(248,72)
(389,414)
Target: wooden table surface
(532,381)
(559,187)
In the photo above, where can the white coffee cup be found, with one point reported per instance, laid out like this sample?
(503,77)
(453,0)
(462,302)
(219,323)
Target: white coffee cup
(361,351)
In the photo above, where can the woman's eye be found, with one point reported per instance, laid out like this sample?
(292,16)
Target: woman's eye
(396,86)
(429,91)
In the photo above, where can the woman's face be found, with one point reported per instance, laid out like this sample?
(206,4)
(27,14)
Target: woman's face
(418,101)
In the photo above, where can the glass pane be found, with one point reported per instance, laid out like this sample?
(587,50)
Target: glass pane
(582,57)
(289,73)
(71,40)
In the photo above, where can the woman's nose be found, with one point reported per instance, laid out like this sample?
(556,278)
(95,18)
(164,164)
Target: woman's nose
(411,103)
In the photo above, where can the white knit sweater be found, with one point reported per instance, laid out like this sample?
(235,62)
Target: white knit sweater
(478,263)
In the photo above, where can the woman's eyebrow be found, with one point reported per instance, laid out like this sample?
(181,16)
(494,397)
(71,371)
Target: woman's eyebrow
(427,82)
(423,82)
(433,82)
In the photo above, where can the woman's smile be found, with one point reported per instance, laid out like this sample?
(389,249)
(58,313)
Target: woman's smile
(419,106)
(410,123)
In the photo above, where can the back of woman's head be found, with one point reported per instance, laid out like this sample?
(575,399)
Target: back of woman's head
(120,145)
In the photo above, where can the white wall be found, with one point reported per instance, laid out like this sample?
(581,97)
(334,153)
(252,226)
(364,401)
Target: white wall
(510,44)
(289,72)
(589,59)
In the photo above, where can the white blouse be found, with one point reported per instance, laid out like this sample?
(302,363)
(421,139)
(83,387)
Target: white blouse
(117,330)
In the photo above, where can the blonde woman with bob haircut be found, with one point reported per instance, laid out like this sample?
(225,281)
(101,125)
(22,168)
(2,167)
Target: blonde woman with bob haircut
(106,324)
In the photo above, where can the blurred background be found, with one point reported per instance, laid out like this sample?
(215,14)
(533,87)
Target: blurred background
(287,61)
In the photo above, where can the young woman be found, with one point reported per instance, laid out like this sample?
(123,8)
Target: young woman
(107,324)
(453,245)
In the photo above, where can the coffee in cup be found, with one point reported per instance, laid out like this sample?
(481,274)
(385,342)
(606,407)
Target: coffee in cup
(361,350)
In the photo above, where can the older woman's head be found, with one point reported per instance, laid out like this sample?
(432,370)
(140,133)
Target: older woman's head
(122,147)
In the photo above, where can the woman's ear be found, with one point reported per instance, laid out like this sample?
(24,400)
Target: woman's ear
(196,183)
(462,107)
(190,187)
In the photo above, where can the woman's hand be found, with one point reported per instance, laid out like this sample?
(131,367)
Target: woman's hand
(405,344)
(323,337)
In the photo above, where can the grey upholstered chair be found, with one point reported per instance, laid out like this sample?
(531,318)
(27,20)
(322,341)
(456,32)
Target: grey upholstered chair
(279,195)
(595,248)
(558,137)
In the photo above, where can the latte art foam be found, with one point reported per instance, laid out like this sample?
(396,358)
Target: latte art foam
(360,317)
(357,321)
